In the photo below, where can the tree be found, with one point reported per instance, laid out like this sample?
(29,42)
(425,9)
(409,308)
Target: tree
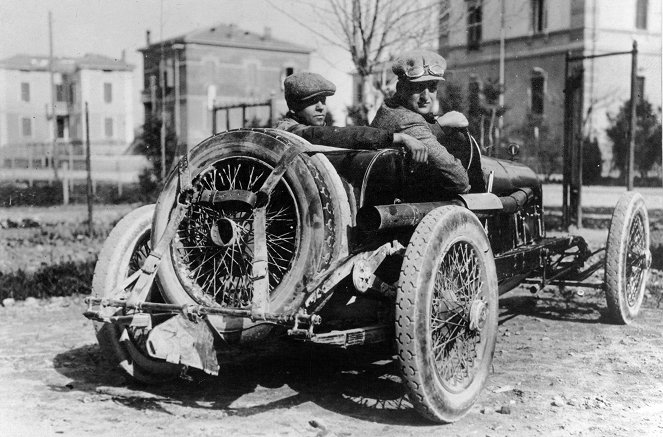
(148,143)
(452,97)
(591,161)
(647,137)
(373,31)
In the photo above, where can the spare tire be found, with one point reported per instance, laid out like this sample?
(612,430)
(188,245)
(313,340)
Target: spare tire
(302,225)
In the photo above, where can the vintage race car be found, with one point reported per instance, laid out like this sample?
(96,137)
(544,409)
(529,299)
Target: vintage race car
(258,234)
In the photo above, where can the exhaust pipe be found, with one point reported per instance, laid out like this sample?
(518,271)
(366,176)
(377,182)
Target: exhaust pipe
(399,215)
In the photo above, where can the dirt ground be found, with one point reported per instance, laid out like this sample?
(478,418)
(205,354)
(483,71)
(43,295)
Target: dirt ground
(559,369)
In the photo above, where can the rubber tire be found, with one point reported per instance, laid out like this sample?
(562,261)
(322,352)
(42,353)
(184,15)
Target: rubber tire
(112,267)
(430,241)
(319,216)
(629,206)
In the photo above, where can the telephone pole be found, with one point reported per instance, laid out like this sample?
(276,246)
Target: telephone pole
(53,119)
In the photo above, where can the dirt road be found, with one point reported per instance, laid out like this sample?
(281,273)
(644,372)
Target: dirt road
(559,369)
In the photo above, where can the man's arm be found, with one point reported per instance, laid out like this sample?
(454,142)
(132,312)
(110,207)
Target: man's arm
(349,137)
(438,156)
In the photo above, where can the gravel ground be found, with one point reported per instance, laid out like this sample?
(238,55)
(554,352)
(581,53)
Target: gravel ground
(559,369)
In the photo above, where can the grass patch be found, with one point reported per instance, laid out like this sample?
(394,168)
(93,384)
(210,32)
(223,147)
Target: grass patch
(62,279)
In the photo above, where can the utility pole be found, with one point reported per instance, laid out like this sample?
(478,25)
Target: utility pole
(54,127)
(162,85)
(632,120)
(88,167)
(500,100)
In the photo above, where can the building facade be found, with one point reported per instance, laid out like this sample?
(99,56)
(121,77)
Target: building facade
(31,122)
(537,36)
(221,65)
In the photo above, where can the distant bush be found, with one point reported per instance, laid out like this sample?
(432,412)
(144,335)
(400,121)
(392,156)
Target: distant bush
(45,194)
(64,279)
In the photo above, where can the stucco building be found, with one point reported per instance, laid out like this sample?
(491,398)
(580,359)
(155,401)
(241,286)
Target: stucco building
(537,36)
(224,64)
(29,124)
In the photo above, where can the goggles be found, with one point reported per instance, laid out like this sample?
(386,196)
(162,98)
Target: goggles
(417,71)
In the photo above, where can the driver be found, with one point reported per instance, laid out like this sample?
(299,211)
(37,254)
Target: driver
(410,111)
(306,94)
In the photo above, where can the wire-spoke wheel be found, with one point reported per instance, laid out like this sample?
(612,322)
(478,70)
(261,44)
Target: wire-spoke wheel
(210,260)
(446,313)
(123,253)
(628,258)
(213,248)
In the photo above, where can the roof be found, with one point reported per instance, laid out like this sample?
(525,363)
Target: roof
(229,35)
(64,65)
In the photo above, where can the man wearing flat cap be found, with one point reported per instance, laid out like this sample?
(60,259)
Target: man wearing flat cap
(410,111)
(306,94)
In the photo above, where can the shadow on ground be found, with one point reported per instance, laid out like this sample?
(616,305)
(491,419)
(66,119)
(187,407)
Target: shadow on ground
(363,384)
(557,305)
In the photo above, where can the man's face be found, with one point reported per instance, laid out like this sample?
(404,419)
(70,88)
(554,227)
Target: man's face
(419,96)
(315,113)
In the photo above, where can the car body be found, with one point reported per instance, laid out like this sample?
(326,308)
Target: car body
(258,234)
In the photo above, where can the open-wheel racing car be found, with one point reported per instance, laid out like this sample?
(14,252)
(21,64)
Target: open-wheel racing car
(258,234)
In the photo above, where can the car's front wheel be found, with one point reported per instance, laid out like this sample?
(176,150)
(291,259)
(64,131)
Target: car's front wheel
(446,313)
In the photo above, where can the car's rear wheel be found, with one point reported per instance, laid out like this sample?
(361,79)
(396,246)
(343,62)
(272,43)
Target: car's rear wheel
(446,313)
(628,258)
(123,253)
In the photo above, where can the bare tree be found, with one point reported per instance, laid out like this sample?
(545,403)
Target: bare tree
(372,31)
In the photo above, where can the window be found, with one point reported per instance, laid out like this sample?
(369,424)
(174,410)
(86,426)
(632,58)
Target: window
(539,18)
(641,14)
(108,92)
(72,93)
(473,24)
(27,127)
(108,127)
(25,91)
(61,123)
(538,82)
(60,95)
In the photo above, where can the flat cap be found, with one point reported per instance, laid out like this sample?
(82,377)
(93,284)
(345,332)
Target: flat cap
(303,86)
(419,66)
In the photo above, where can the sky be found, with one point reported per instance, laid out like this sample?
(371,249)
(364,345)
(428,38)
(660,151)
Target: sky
(108,27)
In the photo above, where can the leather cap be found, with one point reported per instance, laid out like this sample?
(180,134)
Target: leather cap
(300,87)
(419,66)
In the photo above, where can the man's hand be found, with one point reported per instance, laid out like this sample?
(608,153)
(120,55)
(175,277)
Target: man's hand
(415,148)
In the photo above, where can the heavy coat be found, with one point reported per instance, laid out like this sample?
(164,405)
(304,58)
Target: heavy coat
(394,117)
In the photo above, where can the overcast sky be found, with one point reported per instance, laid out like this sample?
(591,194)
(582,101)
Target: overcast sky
(107,27)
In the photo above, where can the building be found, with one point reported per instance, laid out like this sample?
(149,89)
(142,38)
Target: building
(31,115)
(221,65)
(537,36)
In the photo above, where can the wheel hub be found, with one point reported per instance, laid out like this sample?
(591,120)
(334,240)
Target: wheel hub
(225,232)
(478,314)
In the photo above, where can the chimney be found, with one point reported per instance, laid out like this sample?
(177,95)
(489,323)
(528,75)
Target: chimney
(124,55)
(147,37)
(267,33)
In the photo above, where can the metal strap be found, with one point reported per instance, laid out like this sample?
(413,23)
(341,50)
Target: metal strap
(151,264)
(275,176)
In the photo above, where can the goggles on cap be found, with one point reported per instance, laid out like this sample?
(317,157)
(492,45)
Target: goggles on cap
(416,71)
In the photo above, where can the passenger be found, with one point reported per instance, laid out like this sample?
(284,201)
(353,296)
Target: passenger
(306,94)
(410,111)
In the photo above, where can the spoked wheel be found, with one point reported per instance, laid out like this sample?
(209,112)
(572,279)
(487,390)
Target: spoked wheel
(213,248)
(446,313)
(628,258)
(210,260)
(123,253)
